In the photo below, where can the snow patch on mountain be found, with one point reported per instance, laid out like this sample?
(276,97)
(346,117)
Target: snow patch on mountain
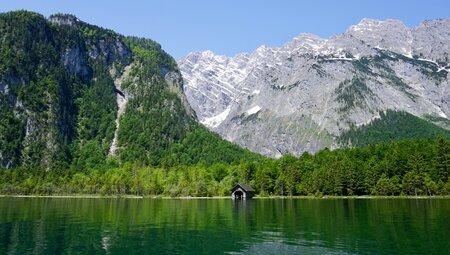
(215,121)
(253,110)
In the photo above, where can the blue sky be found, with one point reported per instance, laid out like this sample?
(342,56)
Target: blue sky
(232,26)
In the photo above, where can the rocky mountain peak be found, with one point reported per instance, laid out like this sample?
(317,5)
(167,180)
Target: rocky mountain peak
(367,24)
(305,94)
(305,41)
(435,23)
(432,40)
(390,34)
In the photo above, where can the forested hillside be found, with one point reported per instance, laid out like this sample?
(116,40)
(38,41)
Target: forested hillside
(60,82)
(392,126)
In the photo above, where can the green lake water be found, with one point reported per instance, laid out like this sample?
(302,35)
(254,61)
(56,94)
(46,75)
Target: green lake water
(221,226)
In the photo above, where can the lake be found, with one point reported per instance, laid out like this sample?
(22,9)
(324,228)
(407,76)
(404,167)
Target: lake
(221,226)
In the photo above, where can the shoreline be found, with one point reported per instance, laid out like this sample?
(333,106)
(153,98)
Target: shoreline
(95,196)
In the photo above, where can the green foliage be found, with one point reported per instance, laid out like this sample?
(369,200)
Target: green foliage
(352,93)
(387,186)
(154,120)
(64,106)
(148,51)
(204,147)
(26,44)
(391,126)
(363,65)
(399,168)
(442,160)
(11,134)
(97,110)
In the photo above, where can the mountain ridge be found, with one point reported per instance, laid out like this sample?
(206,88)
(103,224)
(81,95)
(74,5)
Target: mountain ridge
(316,88)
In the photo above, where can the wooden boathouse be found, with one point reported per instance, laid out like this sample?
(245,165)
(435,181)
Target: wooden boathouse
(242,192)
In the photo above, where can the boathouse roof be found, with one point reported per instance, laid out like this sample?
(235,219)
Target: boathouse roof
(245,187)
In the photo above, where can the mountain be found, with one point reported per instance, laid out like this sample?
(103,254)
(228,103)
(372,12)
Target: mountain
(76,96)
(313,93)
(84,110)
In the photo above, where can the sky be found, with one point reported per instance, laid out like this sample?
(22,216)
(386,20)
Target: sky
(229,27)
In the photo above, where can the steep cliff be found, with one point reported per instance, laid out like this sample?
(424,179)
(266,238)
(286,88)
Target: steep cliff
(306,94)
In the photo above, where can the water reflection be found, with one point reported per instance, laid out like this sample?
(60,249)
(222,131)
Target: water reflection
(266,226)
(273,247)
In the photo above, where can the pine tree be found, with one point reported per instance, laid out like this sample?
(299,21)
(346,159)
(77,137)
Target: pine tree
(442,160)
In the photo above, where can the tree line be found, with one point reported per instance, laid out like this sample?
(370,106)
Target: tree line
(410,167)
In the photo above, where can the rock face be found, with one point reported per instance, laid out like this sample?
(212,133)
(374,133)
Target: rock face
(122,101)
(73,94)
(302,96)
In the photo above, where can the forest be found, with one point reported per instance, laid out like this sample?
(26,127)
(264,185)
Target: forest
(409,167)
